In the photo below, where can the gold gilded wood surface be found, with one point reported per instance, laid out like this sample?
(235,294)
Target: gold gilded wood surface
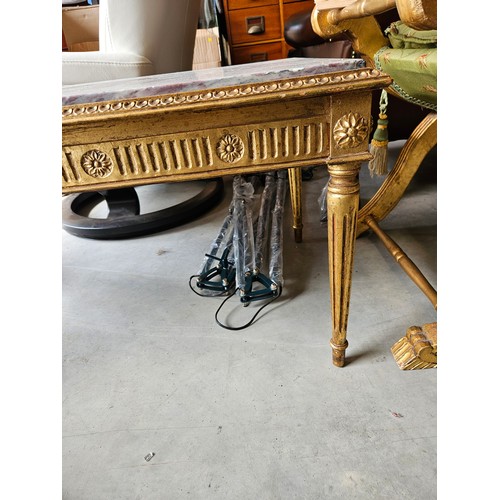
(356,22)
(418,14)
(420,142)
(295,183)
(338,81)
(288,124)
(417,350)
(404,261)
(342,207)
(364,33)
(187,136)
(200,153)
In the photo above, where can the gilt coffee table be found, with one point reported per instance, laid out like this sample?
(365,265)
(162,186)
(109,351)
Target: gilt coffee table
(243,119)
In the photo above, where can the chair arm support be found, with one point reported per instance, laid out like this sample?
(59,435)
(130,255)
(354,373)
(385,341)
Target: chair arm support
(364,33)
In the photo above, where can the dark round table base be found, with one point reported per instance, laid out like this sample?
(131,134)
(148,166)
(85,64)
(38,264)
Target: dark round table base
(124,219)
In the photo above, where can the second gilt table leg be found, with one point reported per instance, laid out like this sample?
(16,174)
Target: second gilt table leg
(342,204)
(295,182)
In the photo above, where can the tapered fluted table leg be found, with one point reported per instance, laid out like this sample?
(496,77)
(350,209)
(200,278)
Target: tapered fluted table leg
(342,203)
(295,181)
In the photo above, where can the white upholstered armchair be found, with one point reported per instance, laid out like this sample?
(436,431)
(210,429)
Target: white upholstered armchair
(136,38)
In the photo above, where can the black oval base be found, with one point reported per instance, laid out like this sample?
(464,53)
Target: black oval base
(125,220)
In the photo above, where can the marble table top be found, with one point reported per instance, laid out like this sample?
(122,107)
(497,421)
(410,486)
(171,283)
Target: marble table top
(186,81)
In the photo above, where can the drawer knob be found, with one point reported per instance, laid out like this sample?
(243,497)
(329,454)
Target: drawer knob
(255,25)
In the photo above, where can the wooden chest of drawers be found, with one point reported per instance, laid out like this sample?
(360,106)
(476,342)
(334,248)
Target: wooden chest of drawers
(255,28)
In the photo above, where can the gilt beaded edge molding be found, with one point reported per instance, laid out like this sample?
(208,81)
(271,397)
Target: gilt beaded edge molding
(350,130)
(218,94)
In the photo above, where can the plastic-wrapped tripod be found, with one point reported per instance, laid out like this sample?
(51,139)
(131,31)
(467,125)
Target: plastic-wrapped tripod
(243,245)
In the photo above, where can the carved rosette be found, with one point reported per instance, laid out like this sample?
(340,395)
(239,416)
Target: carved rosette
(350,130)
(96,163)
(230,148)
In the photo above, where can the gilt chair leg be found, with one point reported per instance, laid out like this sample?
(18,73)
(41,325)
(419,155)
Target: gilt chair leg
(418,349)
(404,261)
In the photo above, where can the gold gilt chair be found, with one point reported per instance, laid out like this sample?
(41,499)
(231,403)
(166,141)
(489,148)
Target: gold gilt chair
(406,51)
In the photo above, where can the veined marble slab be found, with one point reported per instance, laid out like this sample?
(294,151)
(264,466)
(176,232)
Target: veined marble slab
(186,81)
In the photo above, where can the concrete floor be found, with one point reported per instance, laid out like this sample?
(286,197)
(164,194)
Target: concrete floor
(259,413)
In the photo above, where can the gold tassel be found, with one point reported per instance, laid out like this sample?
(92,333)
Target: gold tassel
(380,140)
